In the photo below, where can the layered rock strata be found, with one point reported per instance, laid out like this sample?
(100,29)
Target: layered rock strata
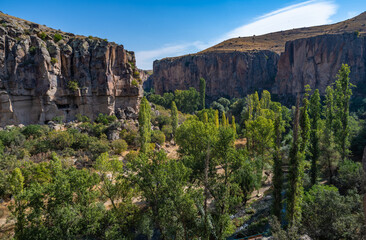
(46,73)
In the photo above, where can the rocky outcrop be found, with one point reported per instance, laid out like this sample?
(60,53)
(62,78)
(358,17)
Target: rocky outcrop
(46,73)
(314,61)
(317,60)
(227,74)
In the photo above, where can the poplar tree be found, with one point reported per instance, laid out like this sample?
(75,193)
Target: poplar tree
(233,125)
(314,109)
(330,154)
(224,123)
(144,124)
(205,117)
(295,191)
(305,122)
(277,165)
(202,92)
(343,94)
(217,123)
(174,117)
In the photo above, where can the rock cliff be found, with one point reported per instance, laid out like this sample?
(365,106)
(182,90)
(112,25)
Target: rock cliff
(227,74)
(282,62)
(46,73)
(316,61)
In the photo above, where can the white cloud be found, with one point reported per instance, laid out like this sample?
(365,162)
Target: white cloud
(309,13)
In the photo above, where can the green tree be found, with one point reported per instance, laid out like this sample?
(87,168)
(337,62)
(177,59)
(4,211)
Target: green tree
(144,124)
(233,125)
(174,117)
(315,111)
(202,92)
(217,123)
(343,94)
(295,176)
(277,165)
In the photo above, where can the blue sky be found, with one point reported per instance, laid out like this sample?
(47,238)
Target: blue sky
(160,28)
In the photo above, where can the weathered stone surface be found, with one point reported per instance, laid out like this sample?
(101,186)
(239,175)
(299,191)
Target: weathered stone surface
(317,60)
(227,74)
(35,75)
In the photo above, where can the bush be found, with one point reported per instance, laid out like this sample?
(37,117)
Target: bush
(82,141)
(162,120)
(54,61)
(58,119)
(105,119)
(130,136)
(136,74)
(82,118)
(42,35)
(12,137)
(158,137)
(57,37)
(32,50)
(168,131)
(35,131)
(131,156)
(73,85)
(134,83)
(60,140)
(98,147)
(119,146)
(350,176)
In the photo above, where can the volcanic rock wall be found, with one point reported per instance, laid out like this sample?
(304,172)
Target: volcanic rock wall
(43,76)
(226,74)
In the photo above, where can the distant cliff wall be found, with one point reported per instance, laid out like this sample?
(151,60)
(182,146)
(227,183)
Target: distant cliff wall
(317,60)
(227,74)
(42,77)
(314,61)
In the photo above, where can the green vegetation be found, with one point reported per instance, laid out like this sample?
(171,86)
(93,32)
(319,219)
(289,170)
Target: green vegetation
(134,83)
(57,37)
(54,61)
(73,85)
(204,175)
(32,50)
(42,35)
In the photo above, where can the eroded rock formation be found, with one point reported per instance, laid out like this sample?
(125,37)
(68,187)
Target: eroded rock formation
(43,76)
(317,60)
(227,74)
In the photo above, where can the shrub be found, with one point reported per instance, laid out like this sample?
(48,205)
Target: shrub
(136,74)
(35,131)
(131,156)
(82,141)
(60,140)
(350,176)
(105,119)
(98,147)
(98,129)
(73,85)
(119,146)
(82,118)
(130,137)
(54,61)
(42,35)
(357,33)
(32,50)
(134,83)
(158,137)
(57,37)
(168,131)
(58,119)
(162,120)
(12,137)
(105,40)
(90,37)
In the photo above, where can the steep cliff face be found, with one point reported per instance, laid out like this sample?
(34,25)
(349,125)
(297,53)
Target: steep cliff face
(43,76)
(316,61)
(227,74)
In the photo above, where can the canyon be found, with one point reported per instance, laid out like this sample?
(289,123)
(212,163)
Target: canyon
(47,74)
(281,62)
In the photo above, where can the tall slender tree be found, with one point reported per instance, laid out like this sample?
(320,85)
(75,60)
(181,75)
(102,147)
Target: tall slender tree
(202,93)
(217,122)
(305,121)
(295,191)
(224,123)
(174,117)
(233,125)
(343,93)
(277,165)
(144,124)
(315,110)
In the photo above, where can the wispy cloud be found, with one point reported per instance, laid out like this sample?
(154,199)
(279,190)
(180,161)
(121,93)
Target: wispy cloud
(309,13)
